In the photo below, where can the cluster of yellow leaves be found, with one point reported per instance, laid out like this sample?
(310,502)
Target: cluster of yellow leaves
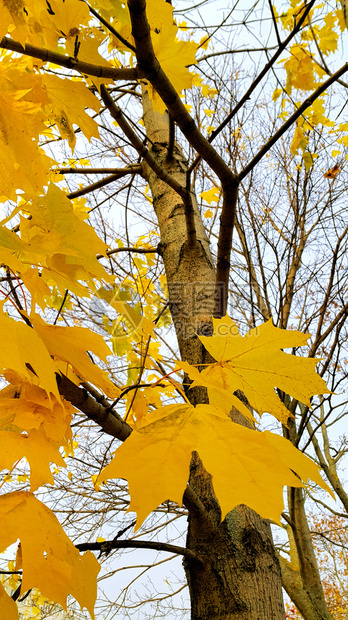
(34,603)
(160,448)
(315,115)
(38,352)
(209,196)
(304,72)
(33,427)
(49,560)
(34,424)
(29,102)
(34,421)
(55,247)
(173,54)
(41,23)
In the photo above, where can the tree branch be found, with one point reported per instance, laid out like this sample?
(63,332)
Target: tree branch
(128,249)
(291,120)
(107,545)
(136,169)
(69,62)
(152,70)
(107,419)
(227,219)
(133,168)
(259,78)
(96,185)
(117,115)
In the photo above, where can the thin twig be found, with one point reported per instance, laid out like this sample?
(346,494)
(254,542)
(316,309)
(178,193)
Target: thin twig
(128,249)
(91,188)
(110,28)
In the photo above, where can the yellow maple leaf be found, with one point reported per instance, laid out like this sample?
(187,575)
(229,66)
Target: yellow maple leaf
(42,23)
(32,409)
(36,448)
(58,239)
(300,69)
(8,607)
(21,160)
(256,365)
(24,352)
(211,195)
(51,562)
(71,344)
(68,100)
(247,467)
(327,35)
(219,394)
(89,41)
(173,54)
(135,321)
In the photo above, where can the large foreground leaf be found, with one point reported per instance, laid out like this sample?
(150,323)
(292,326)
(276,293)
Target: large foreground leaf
(248,467)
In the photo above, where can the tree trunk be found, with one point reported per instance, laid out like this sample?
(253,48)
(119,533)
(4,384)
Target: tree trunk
(240,576)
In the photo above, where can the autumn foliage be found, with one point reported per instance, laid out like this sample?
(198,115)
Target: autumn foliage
(51,255)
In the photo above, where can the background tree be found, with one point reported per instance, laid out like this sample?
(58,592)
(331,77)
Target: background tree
(287,214)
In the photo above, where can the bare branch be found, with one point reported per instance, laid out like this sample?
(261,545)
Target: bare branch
(107,545)
(291,120)
(69,62)
(96,185)
(134,168)
(107,419)
(227,219)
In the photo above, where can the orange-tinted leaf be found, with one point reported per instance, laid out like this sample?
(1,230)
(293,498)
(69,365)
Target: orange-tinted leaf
(8,607)
(332,172)
(71,344)
(23,351)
